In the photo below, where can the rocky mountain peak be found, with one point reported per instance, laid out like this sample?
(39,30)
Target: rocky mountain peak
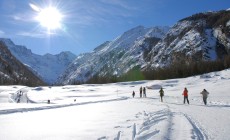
(47,66)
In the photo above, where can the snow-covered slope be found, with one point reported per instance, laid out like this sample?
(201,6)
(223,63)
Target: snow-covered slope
(108,111)
(112,58)
(48,66)
(203,36)
(13,71)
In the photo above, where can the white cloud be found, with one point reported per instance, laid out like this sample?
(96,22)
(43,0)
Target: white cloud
(22,17)
(28,34)
(100,12)
(120,3)
(2,32)
(35,35)
(35,7)
(40,34)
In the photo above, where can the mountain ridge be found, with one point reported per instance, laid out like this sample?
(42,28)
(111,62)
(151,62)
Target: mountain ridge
(48,67)
(109,55)
(200,37)
(12,71)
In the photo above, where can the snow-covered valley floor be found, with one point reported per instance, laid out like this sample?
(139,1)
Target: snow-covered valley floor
(108,111)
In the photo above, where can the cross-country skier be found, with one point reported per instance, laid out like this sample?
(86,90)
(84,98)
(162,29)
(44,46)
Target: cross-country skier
(140,92)
(205,95)
(144,92)
(161,94)
(133,94)
(185,93)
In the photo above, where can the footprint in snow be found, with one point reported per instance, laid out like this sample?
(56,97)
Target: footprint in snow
(117,127)
(129,126)
(103,138)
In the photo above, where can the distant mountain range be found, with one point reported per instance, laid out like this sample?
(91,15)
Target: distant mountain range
(48,67)
(203,36)
(13,71)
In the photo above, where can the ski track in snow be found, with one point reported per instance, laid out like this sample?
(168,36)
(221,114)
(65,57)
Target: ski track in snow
(10,111)
(201,135)
(174,123)
(25,97)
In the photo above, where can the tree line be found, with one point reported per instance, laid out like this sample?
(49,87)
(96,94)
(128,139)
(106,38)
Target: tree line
(180,69)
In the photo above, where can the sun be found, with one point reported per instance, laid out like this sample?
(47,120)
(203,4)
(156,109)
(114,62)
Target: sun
(50,18)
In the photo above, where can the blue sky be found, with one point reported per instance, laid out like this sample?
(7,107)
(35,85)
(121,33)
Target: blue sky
(86,24)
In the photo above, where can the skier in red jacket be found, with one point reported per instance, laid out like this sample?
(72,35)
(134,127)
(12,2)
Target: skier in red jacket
(185,93)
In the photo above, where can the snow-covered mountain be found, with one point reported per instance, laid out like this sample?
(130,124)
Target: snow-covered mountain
(113,57)
(13,71)
(47,66)
(204,36)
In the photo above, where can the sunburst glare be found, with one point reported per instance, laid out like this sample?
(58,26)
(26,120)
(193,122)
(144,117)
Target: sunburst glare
(49,17)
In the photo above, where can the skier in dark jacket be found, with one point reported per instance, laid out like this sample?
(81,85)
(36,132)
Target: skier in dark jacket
(140,92)
(133,94)
(144,92)
(161,94)
(185,93)
(205,95)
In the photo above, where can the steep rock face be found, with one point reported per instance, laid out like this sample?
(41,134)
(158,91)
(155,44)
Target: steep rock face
(47,66)
(13,71)
(113,58)
(203,36)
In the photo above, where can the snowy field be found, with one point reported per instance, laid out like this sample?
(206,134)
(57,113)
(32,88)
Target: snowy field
(108,111)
